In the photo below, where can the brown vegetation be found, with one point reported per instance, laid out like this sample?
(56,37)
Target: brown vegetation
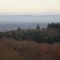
(28,50)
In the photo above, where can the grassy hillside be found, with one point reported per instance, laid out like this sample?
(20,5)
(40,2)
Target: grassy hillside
(31,44)
(28,50)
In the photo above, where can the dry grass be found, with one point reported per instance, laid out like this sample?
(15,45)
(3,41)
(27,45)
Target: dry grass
(28,50)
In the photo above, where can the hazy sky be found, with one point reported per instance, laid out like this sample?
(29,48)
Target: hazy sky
(35,7)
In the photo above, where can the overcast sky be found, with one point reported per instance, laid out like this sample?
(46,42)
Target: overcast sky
(32,7)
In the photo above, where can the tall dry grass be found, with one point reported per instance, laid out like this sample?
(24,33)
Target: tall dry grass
(28,50)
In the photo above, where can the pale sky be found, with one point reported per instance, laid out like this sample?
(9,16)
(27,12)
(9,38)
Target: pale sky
(35,7)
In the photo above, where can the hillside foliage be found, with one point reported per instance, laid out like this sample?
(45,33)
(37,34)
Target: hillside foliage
(45,35)
(25,50)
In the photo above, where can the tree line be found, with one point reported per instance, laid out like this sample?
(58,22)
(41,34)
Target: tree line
(54,25)
(37,35)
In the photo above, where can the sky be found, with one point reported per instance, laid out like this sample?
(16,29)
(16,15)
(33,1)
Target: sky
(32,7)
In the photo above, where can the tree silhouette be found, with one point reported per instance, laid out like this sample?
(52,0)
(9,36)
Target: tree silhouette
(38,27)
(19,29)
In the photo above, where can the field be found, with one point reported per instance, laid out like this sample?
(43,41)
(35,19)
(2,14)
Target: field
(28,50)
